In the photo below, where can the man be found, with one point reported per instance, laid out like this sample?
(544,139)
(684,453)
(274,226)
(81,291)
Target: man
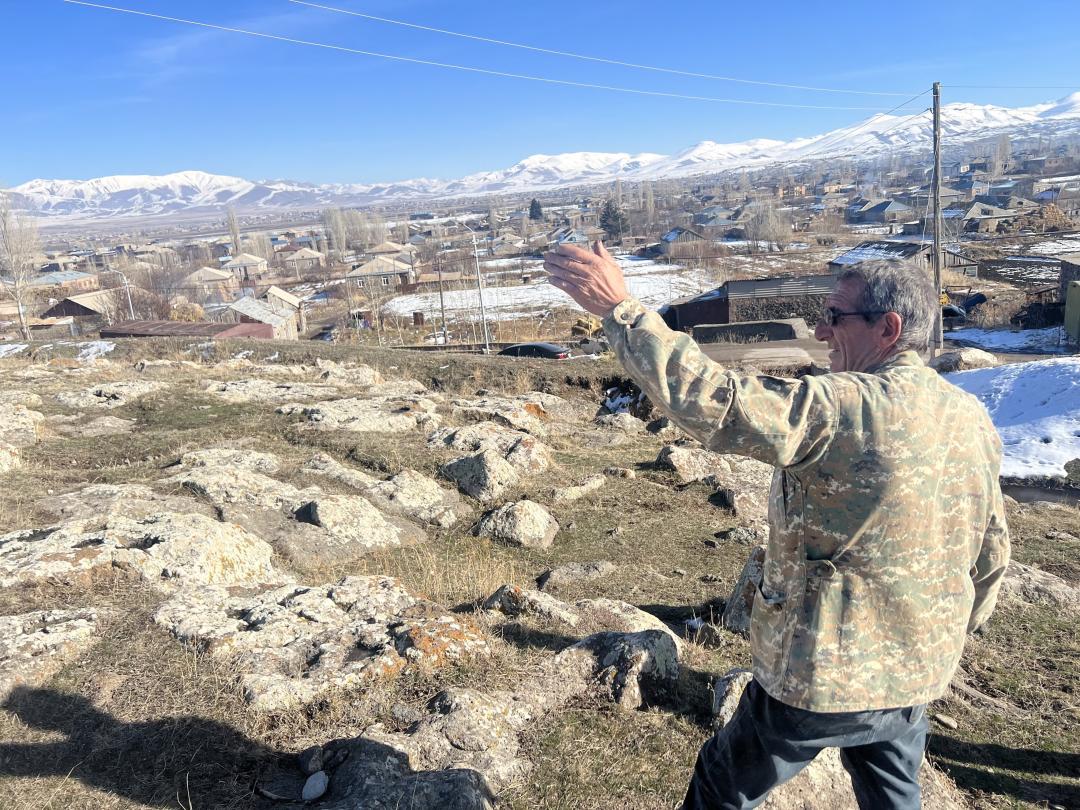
(887,537)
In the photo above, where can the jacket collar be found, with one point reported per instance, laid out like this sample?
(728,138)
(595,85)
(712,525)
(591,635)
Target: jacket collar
(905,358)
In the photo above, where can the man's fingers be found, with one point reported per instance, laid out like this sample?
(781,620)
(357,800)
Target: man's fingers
(567,249)
(600,249)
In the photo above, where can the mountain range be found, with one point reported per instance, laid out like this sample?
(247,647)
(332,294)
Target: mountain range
(196,192)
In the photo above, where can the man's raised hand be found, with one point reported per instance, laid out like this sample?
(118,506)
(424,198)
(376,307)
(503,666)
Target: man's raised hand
(592,278)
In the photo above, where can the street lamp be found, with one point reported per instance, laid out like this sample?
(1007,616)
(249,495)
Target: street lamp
(127,289)
(479,287)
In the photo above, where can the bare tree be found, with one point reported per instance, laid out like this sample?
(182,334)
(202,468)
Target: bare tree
(769,224)
(18,247)
(234,230)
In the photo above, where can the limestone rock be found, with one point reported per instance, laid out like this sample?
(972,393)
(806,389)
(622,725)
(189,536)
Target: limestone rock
(15,396)
(230,457)
(739,605)
(524,452)
(524,523)
(9,458)
(353,522)
(620,472)
(511,600)
(324,464)
(727,691)
(690,463)
(614,614)
(415,496)
(962,360)
(557,578)
(527,412)
(485,475)
(745,535)
(623,422)
(404,388)
(1031,585)
(105,501)
(226,486)
(239,391)
(578,491)
(165,369)
(358,374)
(292,644)
(168,550)
(20,427)
(74,427)
(623,667)
(109,395)
(35,646)
(371,415)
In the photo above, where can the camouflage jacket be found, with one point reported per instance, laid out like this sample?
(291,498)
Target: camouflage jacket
(887,538)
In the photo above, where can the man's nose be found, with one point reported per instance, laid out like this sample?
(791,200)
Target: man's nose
(822,332)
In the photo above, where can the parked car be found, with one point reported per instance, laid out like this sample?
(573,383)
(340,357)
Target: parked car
(548,351)
(328,333)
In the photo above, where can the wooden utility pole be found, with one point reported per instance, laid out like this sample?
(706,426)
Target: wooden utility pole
(937,342)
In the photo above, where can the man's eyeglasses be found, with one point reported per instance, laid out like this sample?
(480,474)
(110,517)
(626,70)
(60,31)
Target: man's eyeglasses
(830,316)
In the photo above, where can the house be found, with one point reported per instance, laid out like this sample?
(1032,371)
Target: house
(680,241)
(1070,271)
(280,301)
(246,267)
(919,253)
(387,248)
(382,271)
(884,212)
(302,260)
(571,236)
(100,304)
(204,329)
(209,284)
(752,300)
(66,280)
(283,323)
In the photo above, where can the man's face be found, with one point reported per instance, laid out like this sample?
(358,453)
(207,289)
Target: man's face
(854,343)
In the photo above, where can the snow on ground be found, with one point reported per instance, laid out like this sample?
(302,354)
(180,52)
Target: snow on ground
(651,283)
(1036,410)
(12,349)
(1056,247)
(90,350)
(1050,340)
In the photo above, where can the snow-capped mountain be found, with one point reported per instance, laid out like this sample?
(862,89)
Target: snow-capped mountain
(200,192)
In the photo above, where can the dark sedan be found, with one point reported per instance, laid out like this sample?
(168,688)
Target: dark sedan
(548,351)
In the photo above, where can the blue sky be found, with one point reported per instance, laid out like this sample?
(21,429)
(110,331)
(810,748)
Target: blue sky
(101,93)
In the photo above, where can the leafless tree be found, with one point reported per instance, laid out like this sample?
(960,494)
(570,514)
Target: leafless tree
(18,247)
(234,230)
(769,224)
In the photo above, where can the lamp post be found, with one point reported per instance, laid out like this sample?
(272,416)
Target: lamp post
(127,289)
(479,288)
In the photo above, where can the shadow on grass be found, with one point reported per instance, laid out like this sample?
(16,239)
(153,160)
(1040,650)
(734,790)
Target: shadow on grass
(969,765)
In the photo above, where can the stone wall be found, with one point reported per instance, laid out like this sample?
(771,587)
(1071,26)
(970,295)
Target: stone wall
(807,307)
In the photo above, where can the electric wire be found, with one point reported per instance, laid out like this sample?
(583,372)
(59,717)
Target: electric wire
(601,59)
(466,68)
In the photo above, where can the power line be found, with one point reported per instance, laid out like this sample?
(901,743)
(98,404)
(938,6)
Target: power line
(484,71)
(601,59)
(1011,86)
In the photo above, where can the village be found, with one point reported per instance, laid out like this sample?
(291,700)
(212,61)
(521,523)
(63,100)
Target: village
(400,277)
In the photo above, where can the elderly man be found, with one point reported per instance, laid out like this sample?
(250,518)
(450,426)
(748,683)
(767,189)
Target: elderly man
(887,537)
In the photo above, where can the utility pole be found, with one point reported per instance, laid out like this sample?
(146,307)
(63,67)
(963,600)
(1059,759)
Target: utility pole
(936,343)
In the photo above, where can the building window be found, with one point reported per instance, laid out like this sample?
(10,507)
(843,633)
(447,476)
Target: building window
(386,281)
(359,282)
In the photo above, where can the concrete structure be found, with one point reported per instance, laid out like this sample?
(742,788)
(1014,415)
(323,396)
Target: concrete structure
(283,324)
(246,267)
(209,284)
(1070,271)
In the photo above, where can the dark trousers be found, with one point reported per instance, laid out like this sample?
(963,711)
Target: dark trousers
(768,742)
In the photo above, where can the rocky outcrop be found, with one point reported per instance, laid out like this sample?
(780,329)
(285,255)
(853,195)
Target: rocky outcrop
(35,646)
(524,523)
(577,491)
(237,459)
(369,415)
(556,579)
(525,453)
(73,426)
(690,463)
(1028,584)
(293,644)
(108,395)
(622,422)
(485,476)
(104,501)
(20,426)
(417,497)
(325,465)
(355,527)
(527,412)
(167,550)
(240,391)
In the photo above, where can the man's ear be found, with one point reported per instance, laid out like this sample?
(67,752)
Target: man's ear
(889,328)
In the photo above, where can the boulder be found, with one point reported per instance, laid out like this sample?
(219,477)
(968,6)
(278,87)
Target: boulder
(20,427)
(348,373)
(740,604)
(240,391)
(35,646)
(727,691)
(690,463)
(573,493)
(614,614)
(356,526)
(293,644)
(623,422)
(485,475)
(1037,587)
(324,464)
(168,550)
(510,600)
(527,412)
(236,486)
(233,458)
(556,579)
(625,668)
(372,415)
(415,496)
(15,396)
(524,452)
(109,395)
(620,472)
(524,523)
(962,360)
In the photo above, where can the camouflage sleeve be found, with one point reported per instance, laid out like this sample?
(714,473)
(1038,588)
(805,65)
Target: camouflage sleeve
(990,567)
(778,421)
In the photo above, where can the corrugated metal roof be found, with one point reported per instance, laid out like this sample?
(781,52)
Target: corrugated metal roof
(780,287)
(164,329)
(879,249)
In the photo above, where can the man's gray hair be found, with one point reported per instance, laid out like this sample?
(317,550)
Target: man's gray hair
(903,288)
